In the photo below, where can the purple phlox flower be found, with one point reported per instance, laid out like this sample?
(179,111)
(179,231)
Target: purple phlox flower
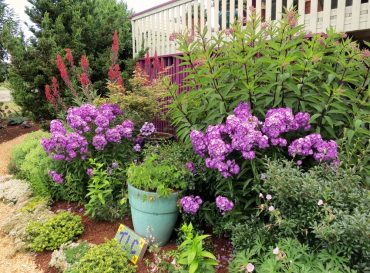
(313,145)
(114,108)
(56,177)
(224,204)
(90,172)
(56,126)
(243,110)
(147,129)
(113,135)
(137,148)
(99,142)
(102,121)
(190,166)
(281,120)
(191,204)
(197,140)
(126,128)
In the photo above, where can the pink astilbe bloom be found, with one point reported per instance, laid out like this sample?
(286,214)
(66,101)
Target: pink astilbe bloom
(84,63)
(114,75)
(50,98)
(64,74)
(69,57)
(84,80)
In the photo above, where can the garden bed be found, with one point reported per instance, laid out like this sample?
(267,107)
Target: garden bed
(98,232)
(12,132)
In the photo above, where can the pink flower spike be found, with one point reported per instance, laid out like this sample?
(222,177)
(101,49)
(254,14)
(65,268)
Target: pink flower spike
(250,267)
(276,251)
(268,196)
(271,208)
(320,203)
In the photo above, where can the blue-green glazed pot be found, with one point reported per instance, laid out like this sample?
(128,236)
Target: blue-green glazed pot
(153,216)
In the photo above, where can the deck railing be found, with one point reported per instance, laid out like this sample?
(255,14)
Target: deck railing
(153,28)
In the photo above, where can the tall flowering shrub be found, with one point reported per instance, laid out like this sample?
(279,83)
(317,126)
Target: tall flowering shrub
(245,134)
(101,133)
(277,65)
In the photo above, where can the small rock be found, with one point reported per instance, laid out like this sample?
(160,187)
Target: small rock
(27,124)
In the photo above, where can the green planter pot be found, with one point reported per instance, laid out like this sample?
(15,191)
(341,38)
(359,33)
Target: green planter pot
(153,215)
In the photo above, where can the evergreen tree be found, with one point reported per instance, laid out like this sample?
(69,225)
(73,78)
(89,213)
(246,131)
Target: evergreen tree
(84,26)
(8,24)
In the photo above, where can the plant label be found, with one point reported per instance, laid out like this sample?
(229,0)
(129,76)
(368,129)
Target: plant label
(131,243)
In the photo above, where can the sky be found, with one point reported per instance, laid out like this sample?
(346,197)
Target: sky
(137,5)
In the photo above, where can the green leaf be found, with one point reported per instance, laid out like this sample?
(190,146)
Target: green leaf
(191,255)
(193,267)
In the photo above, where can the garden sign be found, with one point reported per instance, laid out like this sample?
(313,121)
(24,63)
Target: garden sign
(131,243)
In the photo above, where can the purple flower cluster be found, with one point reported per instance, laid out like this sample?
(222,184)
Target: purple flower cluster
(224,204)
(147,129)
(244,133)
(84,121)
(281,120)
(239,133)
(63,145)
(313,145)
(191,204)
(56,177)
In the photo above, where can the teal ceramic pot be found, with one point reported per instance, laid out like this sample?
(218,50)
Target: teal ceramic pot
(153,216)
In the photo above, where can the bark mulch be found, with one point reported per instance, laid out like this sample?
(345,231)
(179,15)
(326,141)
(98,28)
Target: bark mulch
(11,132)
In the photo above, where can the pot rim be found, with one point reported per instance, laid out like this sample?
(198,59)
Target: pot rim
(152,193)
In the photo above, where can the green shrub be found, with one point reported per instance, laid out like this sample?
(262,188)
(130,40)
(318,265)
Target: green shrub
(107,258)
(20,151)
(243,233)
(322,206)
(288,256)
(37,174)
(105,192)
(55,231)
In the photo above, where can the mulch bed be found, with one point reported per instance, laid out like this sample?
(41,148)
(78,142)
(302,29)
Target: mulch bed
(11,132)
(98,232)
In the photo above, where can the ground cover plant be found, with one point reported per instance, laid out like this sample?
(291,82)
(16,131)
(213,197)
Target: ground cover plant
(107,257)
(68,255)
(53,232)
